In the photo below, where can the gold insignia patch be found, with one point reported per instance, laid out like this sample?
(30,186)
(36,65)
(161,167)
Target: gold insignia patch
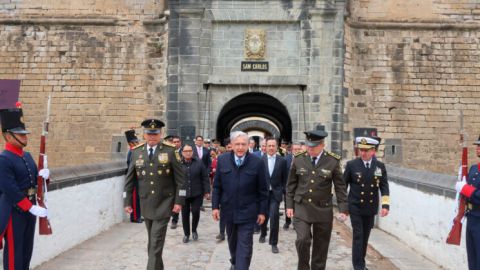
(168,144)
(140,162)
(163,158)
(300,153)
(137,146)
(177,156)
(386,199)
(334,155)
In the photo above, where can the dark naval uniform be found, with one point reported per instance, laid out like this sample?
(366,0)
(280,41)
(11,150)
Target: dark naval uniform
(161,184)
(309,193)
(363,201)
(18,178)
(472,193)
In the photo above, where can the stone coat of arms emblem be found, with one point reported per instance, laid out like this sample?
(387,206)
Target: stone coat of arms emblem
(255,44)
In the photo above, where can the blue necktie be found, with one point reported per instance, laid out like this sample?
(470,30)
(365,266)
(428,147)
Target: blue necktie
(239,162)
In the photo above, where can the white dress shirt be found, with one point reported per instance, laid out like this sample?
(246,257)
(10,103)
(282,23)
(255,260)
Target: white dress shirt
(271,164)
(369,163)
(200,151)
(318,158)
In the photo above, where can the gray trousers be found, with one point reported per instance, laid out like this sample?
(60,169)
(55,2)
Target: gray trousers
(320,232)
(157,230)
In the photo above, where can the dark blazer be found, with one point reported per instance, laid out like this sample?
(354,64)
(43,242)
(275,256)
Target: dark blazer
(196,178)
(364,185)
(259,153)
(207,161)
(241,192)
(289,159)
(279,177)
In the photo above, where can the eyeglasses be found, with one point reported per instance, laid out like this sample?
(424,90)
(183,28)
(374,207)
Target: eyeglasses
(187,151)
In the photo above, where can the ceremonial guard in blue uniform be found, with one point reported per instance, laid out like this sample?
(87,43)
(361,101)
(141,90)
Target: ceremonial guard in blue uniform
(18,178)
(470,190)
(136,215)
(365,176)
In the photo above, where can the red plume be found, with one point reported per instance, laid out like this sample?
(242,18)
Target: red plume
(18,105)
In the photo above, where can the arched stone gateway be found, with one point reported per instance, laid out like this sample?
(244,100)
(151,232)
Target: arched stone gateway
(254,105)
(286,58)
(258,125)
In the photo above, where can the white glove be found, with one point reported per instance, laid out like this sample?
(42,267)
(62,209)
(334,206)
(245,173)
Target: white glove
(38,211)
(45,173)
(459,186)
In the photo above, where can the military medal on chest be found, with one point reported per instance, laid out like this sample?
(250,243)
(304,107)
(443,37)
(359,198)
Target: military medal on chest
(163,158)
(140,162)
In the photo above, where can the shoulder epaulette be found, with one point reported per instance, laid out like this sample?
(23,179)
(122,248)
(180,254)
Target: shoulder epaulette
(168,144)
(138,145)
(300,153)
(334,155)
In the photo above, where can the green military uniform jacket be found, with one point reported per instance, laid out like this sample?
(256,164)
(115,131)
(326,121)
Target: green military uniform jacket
(309,188)
(161,181)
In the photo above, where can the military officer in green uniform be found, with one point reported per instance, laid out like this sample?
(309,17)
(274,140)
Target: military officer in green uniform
(309,199)
(161,187)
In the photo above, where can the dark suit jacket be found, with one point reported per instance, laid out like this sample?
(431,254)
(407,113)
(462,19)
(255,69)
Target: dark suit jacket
(364,184)
(279,177)
(196,178)
(207,161)
(241,192)
(289,159)
(259,153)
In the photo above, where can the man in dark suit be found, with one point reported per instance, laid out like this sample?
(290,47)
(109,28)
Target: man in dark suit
(296,148)
(133,141)
(240,190)
(262,150)
(365,176)
(276,174)
(177,142)
(201,152)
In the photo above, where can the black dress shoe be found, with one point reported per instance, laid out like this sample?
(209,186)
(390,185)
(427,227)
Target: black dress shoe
(173,225)
(262,239)
(185,239)
(195,236)
(285,226)
(220,237)
(275,249)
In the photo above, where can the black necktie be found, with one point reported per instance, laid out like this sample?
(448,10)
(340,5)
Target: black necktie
(367,165)
(313,160)
(150,154)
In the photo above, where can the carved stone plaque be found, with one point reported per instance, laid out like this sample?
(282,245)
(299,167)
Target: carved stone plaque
(255,44)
